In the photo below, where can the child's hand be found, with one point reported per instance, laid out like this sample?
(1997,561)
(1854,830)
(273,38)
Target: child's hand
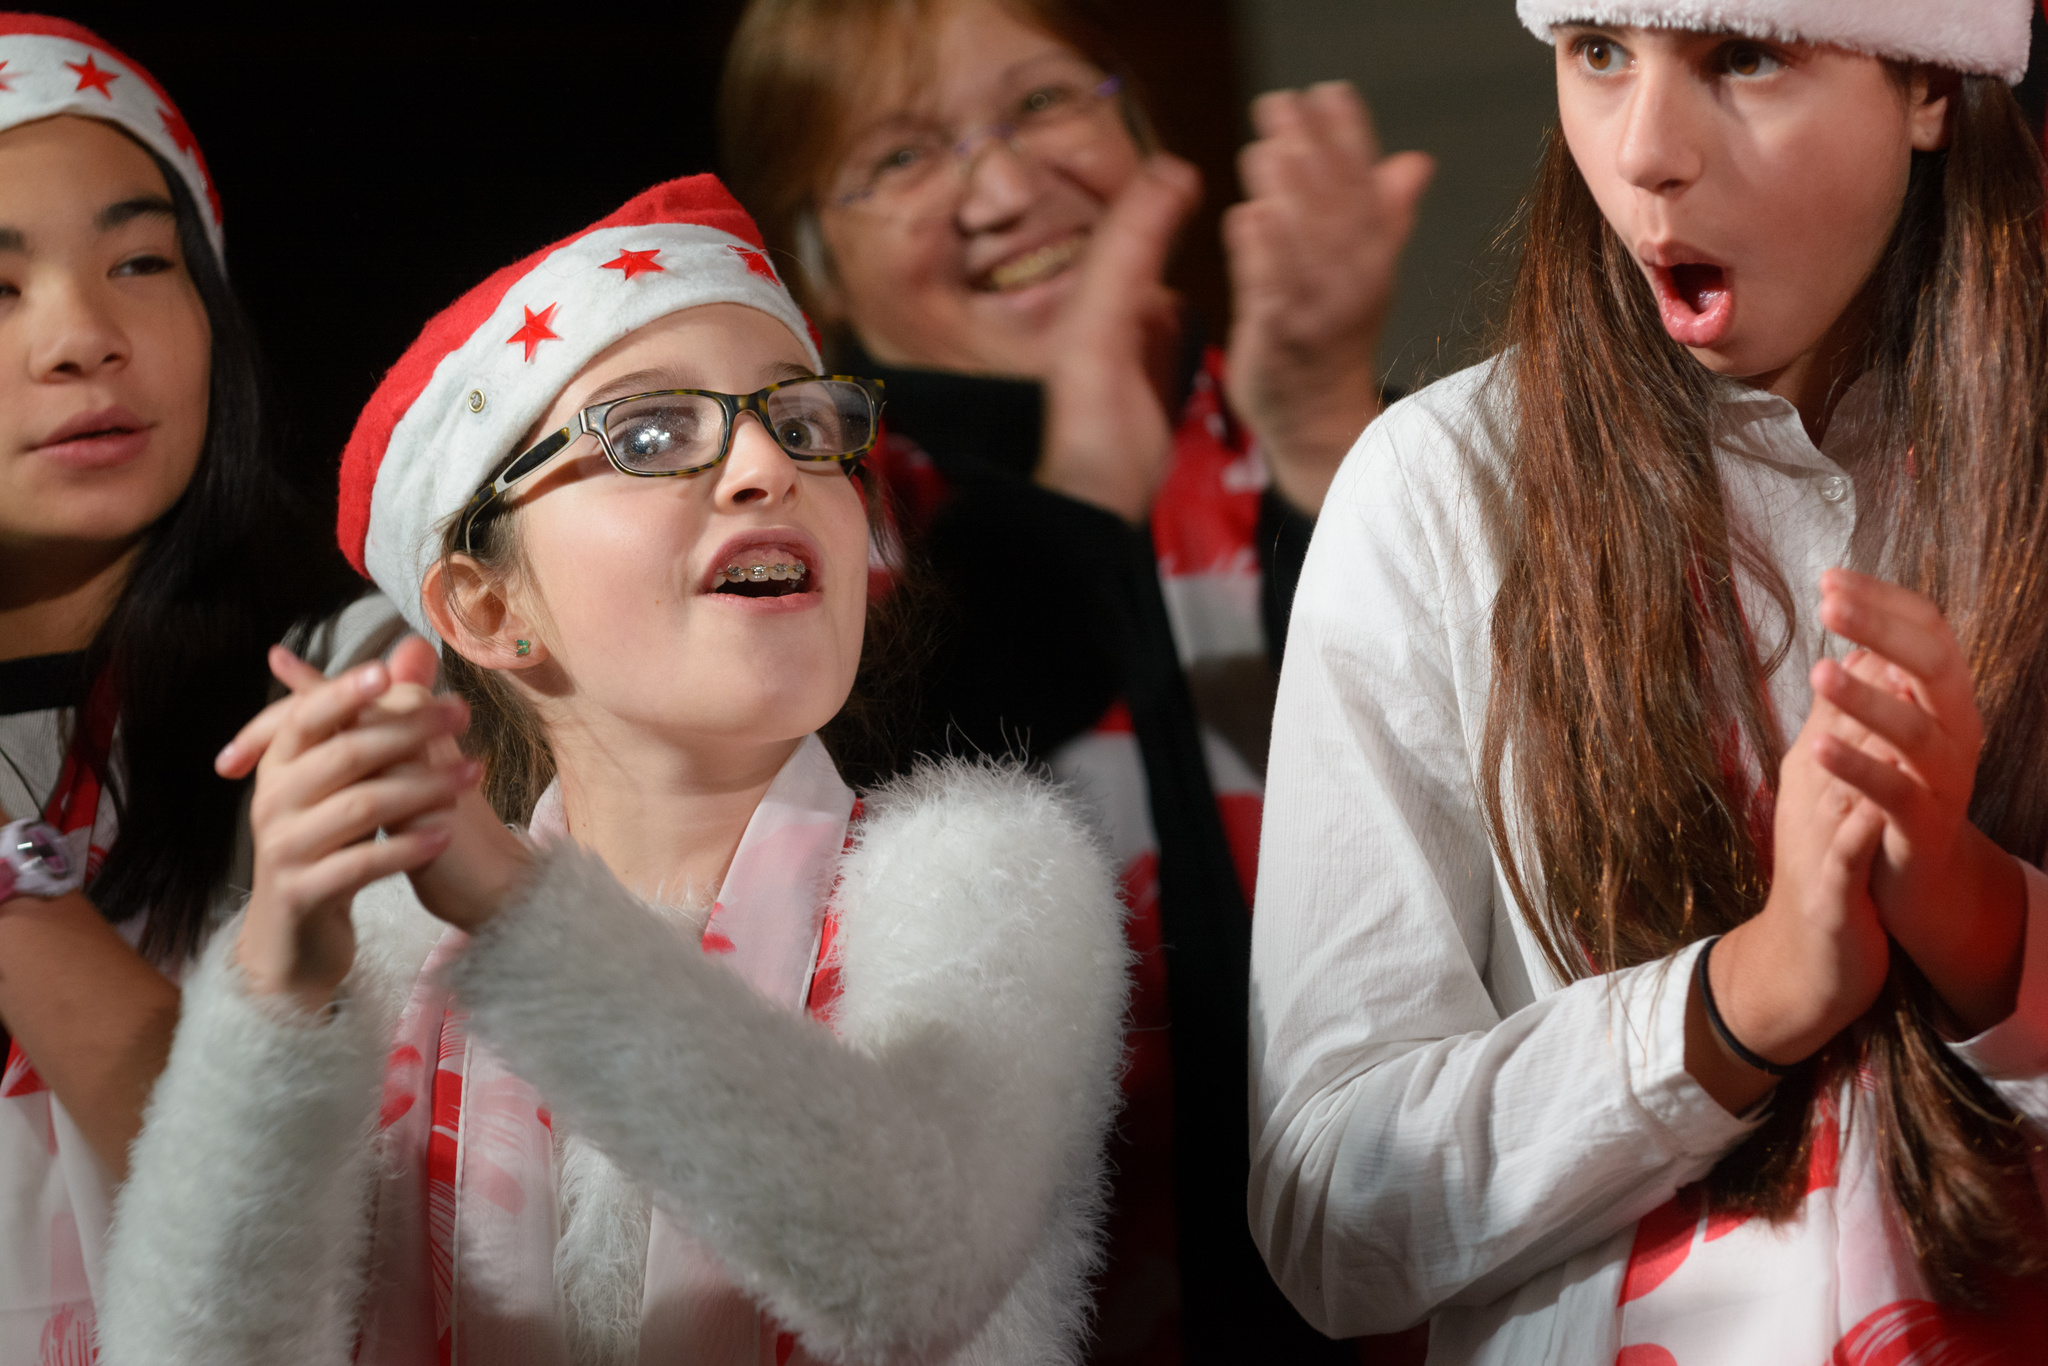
(334,770)
(483,861)
(1908,739)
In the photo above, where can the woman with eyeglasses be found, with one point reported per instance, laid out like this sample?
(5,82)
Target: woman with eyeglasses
(715,1062)
(149,556)
(978,212)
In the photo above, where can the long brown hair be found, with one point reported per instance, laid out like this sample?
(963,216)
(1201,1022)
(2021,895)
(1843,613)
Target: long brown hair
(1626,687)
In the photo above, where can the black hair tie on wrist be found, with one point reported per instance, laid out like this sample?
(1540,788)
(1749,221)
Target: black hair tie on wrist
(1720,1026)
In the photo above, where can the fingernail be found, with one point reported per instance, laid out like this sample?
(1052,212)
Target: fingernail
(227,754)
(372,680)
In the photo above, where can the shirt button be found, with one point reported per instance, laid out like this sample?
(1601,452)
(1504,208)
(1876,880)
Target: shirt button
(1834,488)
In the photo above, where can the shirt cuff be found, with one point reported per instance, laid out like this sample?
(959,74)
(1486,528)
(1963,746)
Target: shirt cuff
(1649,1017)
(2013,1054)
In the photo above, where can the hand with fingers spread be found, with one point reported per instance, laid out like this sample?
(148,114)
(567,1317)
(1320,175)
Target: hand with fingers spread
(1907,736)
(1108,429)
(334,771)
(1313,254)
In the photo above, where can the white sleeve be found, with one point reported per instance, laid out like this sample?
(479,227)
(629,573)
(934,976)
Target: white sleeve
(1412,1148)
(881,1191)
(2012,1055)
(239,1237)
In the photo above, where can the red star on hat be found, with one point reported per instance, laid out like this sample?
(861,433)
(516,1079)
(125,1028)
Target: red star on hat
(90,77)
(535,330)
(180,131)
(757,262)
(633,263)
(3,77)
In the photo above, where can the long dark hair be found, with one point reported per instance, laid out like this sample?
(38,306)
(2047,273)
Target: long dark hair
(1622,668)
(228,571)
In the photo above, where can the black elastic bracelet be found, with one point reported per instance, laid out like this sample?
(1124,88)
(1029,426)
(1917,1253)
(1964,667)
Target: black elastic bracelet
(1720,1026)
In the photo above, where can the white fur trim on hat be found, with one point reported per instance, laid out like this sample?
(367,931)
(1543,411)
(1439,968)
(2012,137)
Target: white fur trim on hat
(51,66)
(486,393)
(1976,37)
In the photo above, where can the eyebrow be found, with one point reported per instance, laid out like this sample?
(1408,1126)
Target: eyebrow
(649,381)
(125,211)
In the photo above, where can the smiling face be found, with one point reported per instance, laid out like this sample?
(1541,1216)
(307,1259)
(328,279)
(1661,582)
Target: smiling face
(1756,184)
(104,342)
(623,582)
(974,276)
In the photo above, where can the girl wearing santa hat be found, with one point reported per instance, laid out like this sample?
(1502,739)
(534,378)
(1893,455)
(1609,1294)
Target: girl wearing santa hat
(717,1062)
(149,556)
(1652,960)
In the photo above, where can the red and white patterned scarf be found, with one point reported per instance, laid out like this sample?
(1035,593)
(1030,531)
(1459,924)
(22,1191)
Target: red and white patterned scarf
(467,1210)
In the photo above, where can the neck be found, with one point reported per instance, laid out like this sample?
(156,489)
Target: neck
(665,820)
(54,598)
(1815,381)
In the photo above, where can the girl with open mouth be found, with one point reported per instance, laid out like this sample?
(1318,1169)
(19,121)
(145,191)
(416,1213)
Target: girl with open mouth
(1649,962)
(713,1060)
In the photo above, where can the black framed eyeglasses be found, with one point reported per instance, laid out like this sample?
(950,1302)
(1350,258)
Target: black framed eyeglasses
(817,418)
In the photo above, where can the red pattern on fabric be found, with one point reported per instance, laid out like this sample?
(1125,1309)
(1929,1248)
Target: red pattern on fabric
(68,1338)
(400,1071)
(1663,1241)
(1644,1354)
(757,262)
(4,86)
(631,263)
(715,940)
(534,330)
(1242,813)
(91,77)
(1206,516)
(20,1077)
(822,997)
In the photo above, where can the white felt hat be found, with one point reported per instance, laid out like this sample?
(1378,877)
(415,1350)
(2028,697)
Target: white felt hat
(52,66)
(1977,37)
(488,366)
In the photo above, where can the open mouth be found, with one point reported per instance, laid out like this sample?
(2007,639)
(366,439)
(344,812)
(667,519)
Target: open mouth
(1034,267)
(1695,300)
(765,578)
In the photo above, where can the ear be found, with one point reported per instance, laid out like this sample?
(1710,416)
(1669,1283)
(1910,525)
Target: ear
(1930,99)
(473,610)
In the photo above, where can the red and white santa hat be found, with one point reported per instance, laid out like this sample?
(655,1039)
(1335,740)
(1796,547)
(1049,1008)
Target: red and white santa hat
(493,362)
(1976,37)
(52,66)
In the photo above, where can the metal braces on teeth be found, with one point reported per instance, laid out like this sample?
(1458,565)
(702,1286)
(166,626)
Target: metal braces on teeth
(762,573)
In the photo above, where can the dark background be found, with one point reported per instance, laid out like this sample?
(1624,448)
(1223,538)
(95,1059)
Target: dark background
(375,162)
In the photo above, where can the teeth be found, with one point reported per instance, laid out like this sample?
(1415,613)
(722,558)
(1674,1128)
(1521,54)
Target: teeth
(763,573)
(1032,267)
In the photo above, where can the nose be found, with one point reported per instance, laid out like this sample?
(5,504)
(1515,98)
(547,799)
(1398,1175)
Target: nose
(999,188)
(72,334)
(757,474)
(1660,150)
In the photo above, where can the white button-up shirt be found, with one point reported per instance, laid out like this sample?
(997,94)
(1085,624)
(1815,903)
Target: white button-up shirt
(1442,1130)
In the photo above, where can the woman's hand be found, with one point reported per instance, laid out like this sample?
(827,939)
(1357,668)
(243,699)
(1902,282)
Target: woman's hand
(1909,740)
(1313,254)
(333,772)
(1108,431)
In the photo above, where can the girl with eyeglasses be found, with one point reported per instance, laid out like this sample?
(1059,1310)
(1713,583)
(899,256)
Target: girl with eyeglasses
(1114,505)
(715,1061)
(149,555)
(1650,959)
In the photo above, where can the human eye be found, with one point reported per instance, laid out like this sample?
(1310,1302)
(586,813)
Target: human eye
(1598,54)
(901,159)
(1750,61)
(1048,100)
(143,263)
(661,433)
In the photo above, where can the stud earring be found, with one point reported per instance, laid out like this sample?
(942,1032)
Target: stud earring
(522,648)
